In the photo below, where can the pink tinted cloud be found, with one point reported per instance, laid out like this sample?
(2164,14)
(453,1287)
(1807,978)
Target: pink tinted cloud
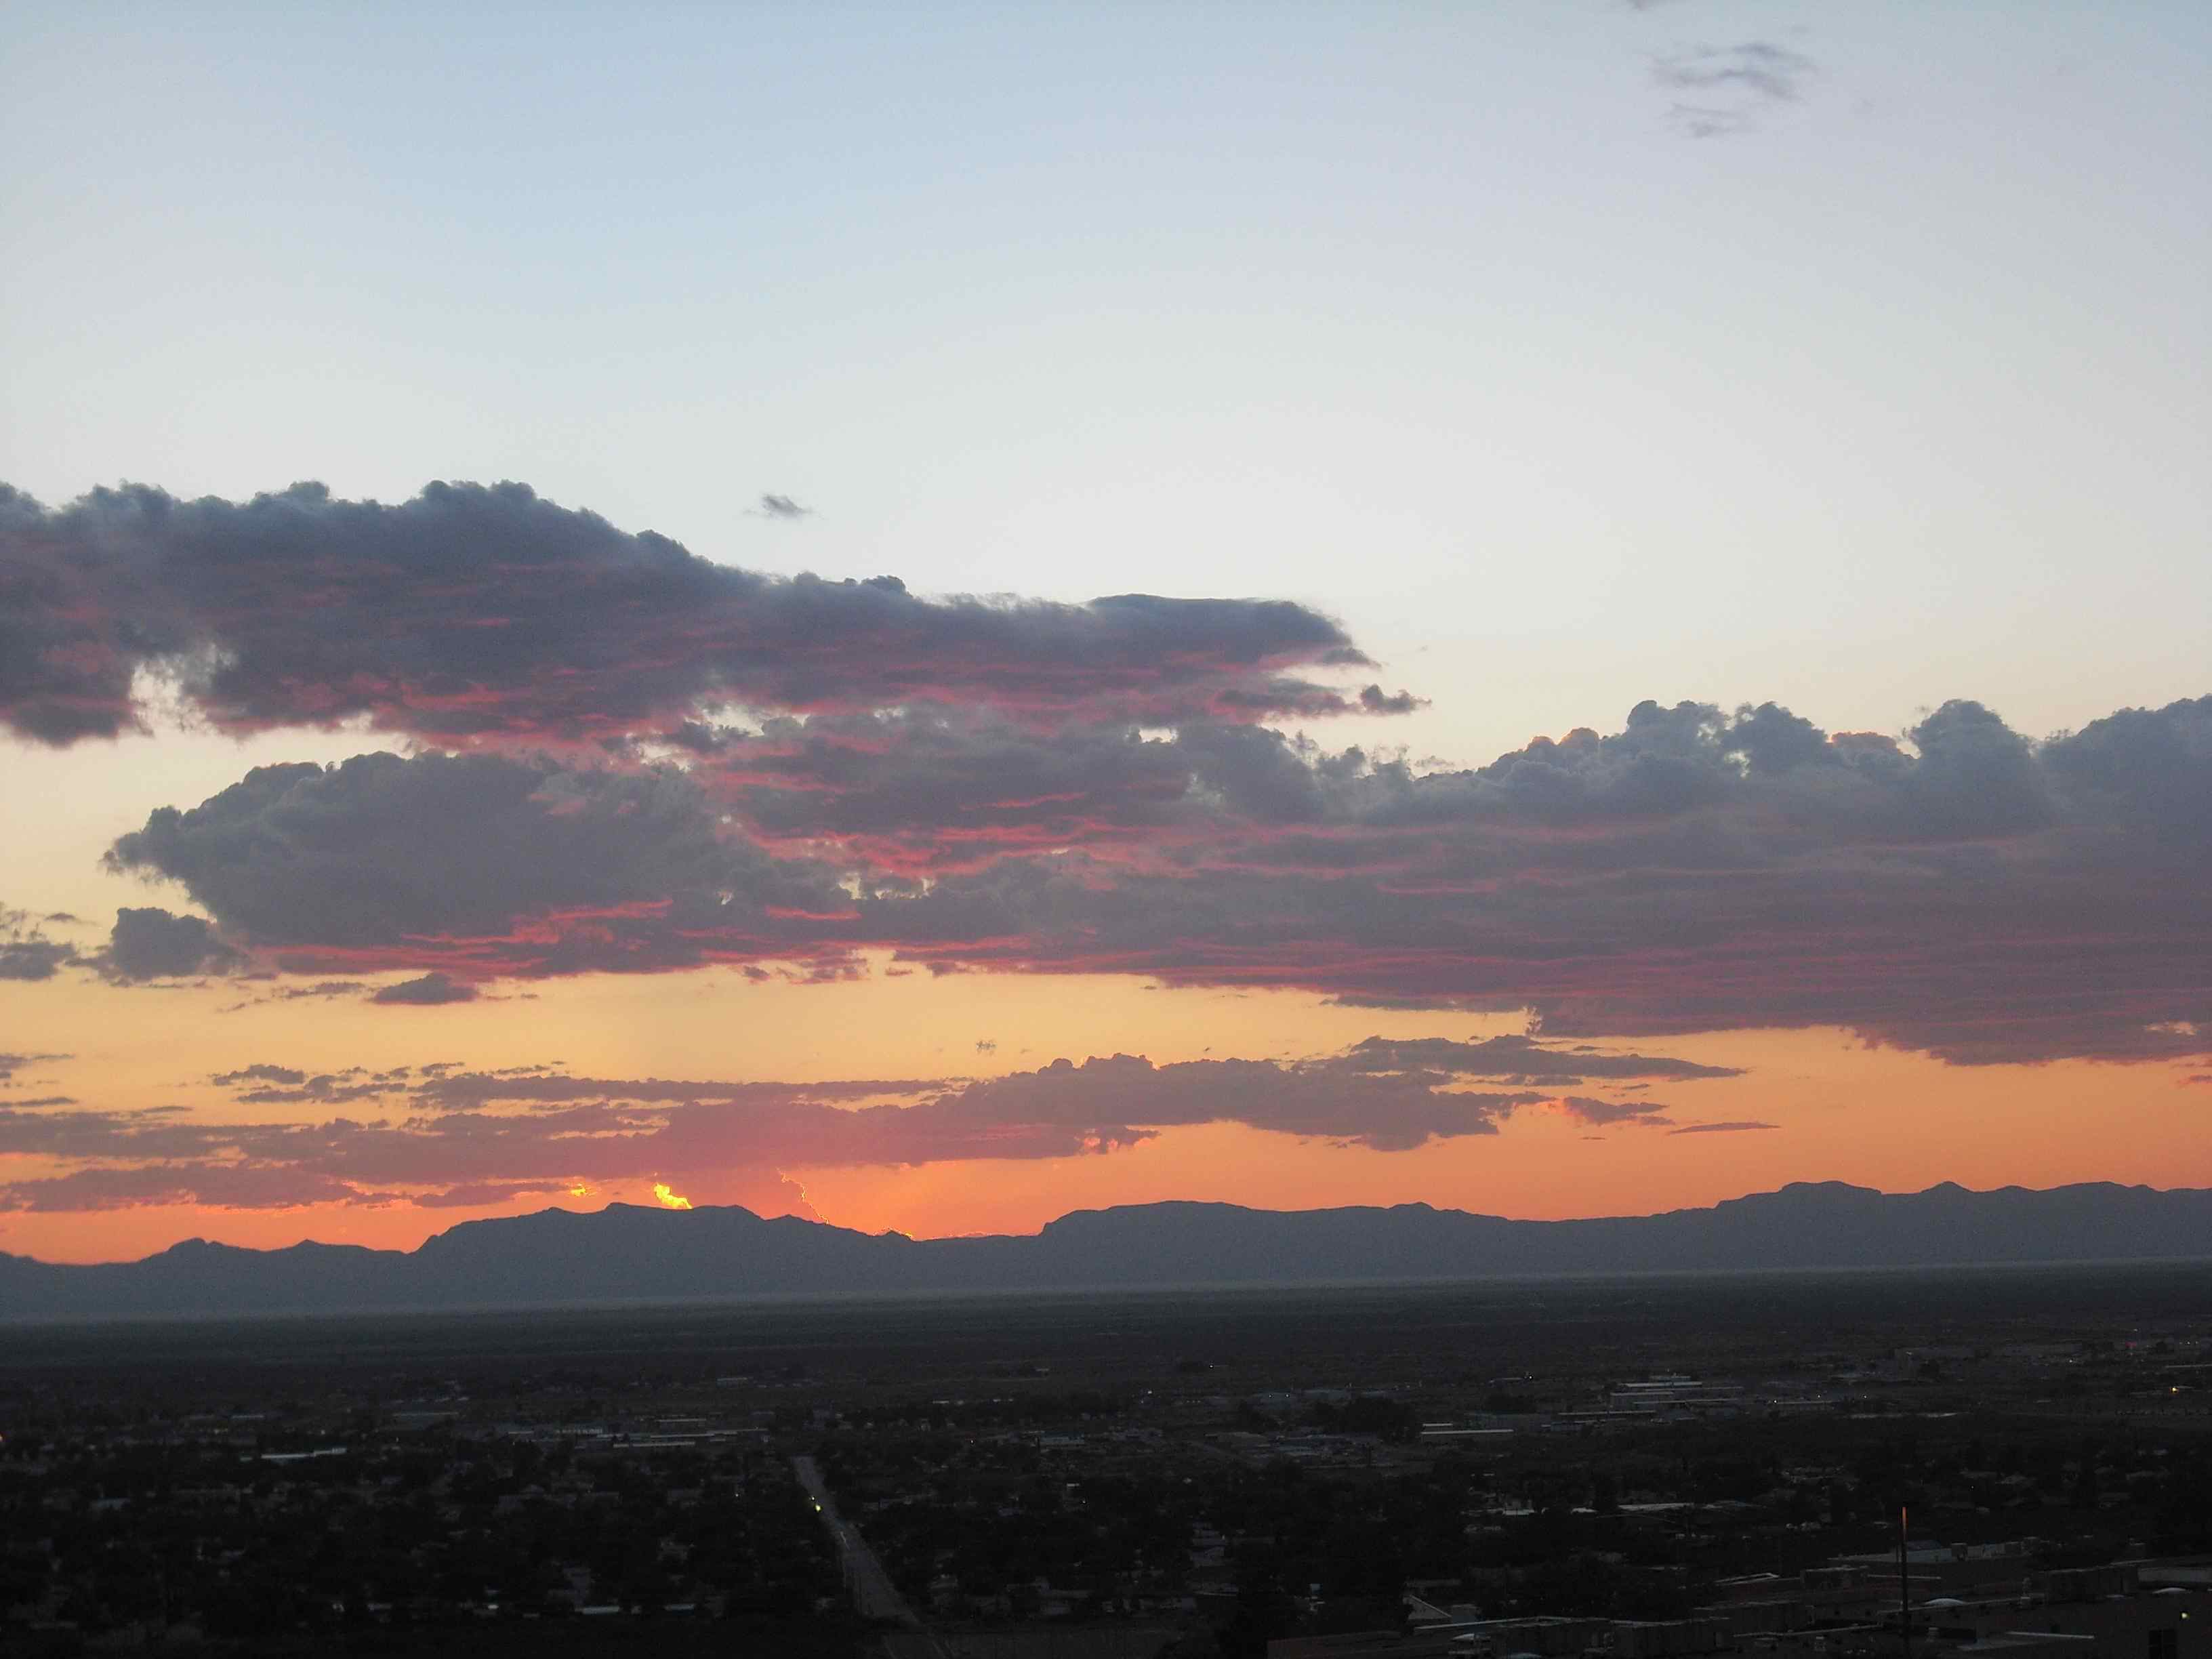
(474,614)
(445,1138)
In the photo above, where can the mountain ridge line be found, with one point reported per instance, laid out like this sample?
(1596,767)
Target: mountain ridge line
(625,1252)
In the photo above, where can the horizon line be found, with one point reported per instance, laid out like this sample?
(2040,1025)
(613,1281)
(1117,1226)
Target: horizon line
(1219,1204)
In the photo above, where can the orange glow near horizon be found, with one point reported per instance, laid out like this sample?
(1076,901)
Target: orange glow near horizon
(1845,1112)
(444,778)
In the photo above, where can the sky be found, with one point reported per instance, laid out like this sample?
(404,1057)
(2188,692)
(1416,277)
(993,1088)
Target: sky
(930,616)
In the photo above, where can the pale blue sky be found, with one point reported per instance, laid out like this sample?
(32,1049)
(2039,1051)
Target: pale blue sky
(1435,317)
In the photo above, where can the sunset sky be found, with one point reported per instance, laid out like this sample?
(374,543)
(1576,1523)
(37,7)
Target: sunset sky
(930,616)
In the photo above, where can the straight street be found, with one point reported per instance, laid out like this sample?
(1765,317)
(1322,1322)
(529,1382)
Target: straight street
(874,1596)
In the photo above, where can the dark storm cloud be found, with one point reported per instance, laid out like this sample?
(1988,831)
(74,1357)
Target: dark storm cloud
(26,953)
(479,614)
(151,943)
(431,990)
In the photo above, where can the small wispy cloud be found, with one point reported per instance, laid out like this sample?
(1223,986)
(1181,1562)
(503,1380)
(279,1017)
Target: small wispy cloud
(1737,85)
(1594,1114)
(11,1064)
(1373,700)
(1720,1128)
(773,506)
(433,990)
(318,990)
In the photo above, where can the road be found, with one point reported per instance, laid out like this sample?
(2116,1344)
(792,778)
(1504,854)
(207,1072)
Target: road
(874,1596)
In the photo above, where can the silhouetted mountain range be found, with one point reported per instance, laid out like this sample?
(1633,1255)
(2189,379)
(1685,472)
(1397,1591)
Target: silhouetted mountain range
(624,1252)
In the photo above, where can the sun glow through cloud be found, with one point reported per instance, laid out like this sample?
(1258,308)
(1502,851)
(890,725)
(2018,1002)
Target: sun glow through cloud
(670,1199)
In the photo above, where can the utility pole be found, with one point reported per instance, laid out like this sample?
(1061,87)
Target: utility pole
(1903,1591)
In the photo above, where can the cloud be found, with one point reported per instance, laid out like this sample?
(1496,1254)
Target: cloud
(1963,891)
(605,869)
(925,789)
(476,614)
(215,1185)
(1749,78)
(782,506)
(11,1063)
(152,943)
(1758,67)
(1521,1060)
(280,1086)
(1059,1110)
(319,991)
(1373,702)
(431,990)
(1709,120)
(1604,1114)
(1117,1100)
(486,1194)
(445,1138)
(452,1090)
(1958,889)
(260,1074)
(1720,1128)
(26,953)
